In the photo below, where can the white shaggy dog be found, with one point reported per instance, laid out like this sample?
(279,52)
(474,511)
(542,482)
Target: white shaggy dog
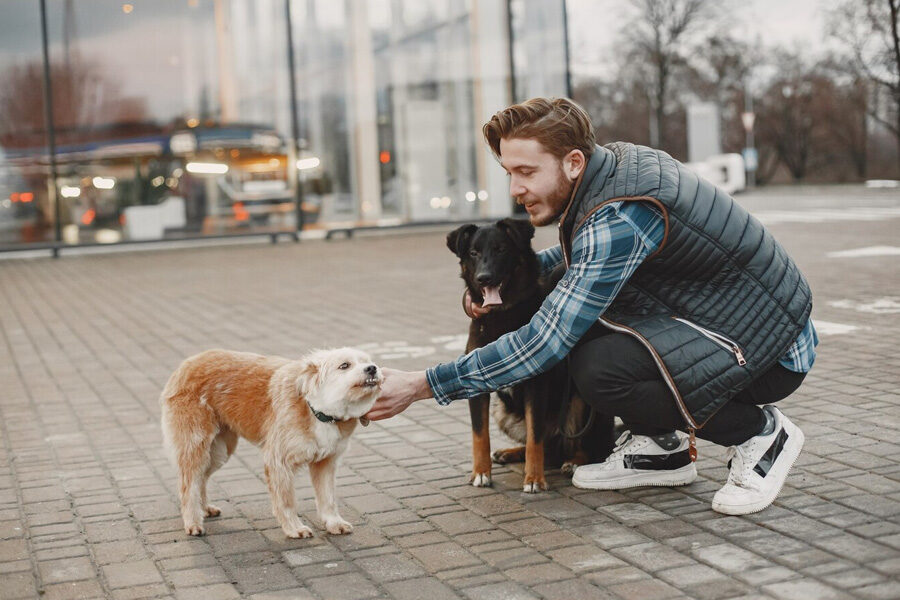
(297,411)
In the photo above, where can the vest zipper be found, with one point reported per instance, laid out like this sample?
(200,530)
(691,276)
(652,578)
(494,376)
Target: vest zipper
(719,339)
(667,377)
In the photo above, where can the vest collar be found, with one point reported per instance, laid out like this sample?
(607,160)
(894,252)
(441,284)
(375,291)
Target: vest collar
(598,168)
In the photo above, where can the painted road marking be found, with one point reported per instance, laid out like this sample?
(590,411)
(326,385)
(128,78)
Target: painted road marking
(865,252)
(395,349)
(829,328)
(822,215)
(881,306)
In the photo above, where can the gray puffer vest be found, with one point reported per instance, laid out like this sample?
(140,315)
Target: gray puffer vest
(719,302)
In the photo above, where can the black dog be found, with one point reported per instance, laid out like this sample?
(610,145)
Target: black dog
(501,270)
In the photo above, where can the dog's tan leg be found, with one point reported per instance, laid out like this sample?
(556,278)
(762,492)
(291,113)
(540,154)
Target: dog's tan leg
(221,449)
(479,411)
(280,478)
(322,475)
(192,464)
(534,452)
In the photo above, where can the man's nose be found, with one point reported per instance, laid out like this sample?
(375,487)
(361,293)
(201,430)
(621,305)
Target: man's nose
(515,188)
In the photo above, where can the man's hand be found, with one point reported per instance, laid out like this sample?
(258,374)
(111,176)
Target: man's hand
(399,390)
(473,310)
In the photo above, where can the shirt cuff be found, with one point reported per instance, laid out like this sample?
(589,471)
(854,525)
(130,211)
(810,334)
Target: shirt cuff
(444,383)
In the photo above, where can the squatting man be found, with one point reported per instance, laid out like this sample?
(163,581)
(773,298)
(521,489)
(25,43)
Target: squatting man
(679,312)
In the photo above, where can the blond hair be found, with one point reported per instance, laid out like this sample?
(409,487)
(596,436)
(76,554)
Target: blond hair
(559,124)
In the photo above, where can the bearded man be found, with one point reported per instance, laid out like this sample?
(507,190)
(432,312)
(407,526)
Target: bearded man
(678,310)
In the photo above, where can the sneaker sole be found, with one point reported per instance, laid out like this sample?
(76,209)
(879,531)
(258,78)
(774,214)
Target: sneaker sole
(683,476)
(755,507)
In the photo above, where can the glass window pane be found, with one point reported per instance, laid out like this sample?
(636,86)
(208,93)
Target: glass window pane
(26,205)
(171,118)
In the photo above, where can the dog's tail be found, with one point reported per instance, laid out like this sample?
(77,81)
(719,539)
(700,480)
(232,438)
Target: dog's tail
(180,431)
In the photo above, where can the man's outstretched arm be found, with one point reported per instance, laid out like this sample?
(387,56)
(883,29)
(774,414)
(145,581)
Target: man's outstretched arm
(399,390)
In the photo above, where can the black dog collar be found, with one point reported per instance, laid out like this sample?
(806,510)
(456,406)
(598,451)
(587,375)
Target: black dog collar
(322,416)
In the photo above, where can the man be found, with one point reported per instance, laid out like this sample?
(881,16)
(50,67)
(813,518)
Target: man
(678,310)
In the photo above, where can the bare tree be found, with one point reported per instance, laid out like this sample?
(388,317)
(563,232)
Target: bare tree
(869,30)
(785,123)
(659,38)
(83,98)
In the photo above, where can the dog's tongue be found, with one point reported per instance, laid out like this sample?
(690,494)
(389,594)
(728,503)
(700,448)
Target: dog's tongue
(491,296)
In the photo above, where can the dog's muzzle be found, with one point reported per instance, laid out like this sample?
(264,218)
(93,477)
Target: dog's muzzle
(371,376)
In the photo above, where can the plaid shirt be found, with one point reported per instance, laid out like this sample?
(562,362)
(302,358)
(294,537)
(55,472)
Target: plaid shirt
(606,251)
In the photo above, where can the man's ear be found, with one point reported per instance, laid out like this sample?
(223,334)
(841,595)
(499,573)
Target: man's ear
(458,240)
(308,379)
(574,163)
(519,230)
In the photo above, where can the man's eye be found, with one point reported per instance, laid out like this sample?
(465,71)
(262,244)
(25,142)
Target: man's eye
(345,365)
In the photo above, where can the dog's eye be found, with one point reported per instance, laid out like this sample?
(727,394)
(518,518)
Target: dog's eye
(345,365)
(473,252)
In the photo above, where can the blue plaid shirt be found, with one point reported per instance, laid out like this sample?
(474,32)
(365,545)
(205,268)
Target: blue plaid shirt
(606,251)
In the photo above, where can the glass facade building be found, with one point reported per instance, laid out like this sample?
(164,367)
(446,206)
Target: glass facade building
(169,119)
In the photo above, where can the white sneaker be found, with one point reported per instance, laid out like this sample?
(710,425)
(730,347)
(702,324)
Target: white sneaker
(637,460)
(758,468)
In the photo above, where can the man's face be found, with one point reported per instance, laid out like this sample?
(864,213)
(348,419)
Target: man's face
(537,179)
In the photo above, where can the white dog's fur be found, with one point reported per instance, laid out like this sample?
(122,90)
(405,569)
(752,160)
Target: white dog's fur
(217,396)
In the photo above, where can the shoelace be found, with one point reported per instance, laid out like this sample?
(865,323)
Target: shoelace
(621,444)
(739,473)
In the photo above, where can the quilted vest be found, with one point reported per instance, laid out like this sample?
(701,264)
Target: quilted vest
(719,302)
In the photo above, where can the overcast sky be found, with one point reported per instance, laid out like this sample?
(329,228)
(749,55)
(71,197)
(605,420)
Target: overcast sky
(596,26)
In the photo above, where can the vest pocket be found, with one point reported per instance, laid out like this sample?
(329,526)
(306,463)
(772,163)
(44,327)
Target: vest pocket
(719,339)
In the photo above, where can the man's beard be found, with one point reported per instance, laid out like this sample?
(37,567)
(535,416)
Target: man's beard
(558,199)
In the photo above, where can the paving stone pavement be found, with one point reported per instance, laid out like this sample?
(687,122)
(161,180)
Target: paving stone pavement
(88,504)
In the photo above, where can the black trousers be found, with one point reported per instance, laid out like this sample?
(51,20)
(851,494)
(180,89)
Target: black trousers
(615,373)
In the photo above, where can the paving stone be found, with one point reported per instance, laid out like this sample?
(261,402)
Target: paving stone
(646,589)
(730,559)
(289,594)
(439,557)
(74,590)
(67,569)
(571,588)
(538,573)
(349,586)
(136,573)
(390,567)
(888,590)
(198,576)
(789,590)
(417,589)
(157,590)
(18,585)
(500,591)
(223,591)
(585,558)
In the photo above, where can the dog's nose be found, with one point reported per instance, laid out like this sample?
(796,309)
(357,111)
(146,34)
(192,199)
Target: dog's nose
(482,278)
(371,370)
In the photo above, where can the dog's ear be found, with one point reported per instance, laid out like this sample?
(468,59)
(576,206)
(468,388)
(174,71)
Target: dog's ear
(458,240)
(308,378)
(520,230)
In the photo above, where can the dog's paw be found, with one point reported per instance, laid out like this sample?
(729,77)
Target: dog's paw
(481,479)
(568,468)
(302,532)
(194,529)
(213,511)
(338,527)
(509,455)
(533,487)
